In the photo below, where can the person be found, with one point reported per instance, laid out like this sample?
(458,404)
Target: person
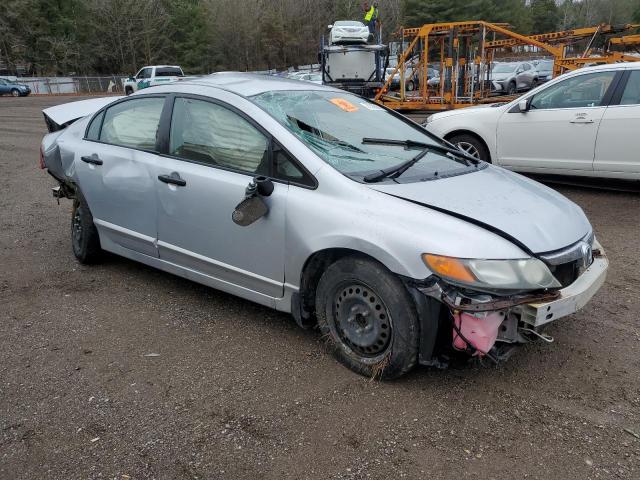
(371,17)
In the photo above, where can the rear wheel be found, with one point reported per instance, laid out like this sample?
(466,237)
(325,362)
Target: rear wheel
(471,145)
(84,235)
(411,86)
(369,318)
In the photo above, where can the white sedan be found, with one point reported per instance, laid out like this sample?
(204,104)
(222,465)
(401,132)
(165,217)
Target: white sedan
(348,31)
(583,123)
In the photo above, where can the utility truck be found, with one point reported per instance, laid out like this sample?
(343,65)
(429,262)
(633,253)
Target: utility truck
(152,75)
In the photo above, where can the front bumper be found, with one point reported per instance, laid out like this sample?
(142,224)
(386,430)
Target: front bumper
(572,298)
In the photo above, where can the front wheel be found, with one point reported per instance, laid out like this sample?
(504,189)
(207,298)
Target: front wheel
(471,145)
(15,92)
(511,89)
(368,317)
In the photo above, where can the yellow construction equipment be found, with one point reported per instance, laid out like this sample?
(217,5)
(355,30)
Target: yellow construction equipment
(463,52)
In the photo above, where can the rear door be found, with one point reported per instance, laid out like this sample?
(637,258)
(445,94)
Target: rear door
(4,88)
(215,151)
(558,133)
(619,129)
(114,166)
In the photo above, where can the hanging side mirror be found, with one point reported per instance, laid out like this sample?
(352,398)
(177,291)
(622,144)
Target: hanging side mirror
(253,207)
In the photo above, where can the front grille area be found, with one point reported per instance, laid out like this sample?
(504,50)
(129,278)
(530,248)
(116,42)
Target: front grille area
(567,264)
(567,273)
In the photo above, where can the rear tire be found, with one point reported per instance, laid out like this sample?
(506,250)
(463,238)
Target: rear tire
(472,145)
(410,86)
(368,317)
(85,241)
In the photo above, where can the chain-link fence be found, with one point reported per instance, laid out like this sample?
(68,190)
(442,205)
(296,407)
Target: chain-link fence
(72,85)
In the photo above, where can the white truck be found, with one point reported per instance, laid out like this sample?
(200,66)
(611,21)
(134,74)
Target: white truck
(152,75)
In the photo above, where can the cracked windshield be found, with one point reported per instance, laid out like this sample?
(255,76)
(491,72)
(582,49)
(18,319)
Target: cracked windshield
(334,124)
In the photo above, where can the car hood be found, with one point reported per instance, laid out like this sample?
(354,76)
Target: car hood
(484,109)
(530,213)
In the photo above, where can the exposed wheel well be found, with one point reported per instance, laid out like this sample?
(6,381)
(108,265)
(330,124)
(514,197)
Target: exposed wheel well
(450,135)
(313,269)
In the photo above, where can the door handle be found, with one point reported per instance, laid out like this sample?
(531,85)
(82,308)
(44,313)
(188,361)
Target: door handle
(93,159)
(581,120)
(173,179)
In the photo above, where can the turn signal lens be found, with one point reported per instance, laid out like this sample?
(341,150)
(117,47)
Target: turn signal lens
(449,267)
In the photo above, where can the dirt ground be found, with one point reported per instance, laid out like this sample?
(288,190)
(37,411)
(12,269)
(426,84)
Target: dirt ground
(238,391)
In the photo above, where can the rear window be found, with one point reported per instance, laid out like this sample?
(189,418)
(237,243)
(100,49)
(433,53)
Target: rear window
(133,123)
(169,72)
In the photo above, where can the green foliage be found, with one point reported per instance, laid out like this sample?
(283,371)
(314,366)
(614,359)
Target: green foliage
(544,16)
(119,36)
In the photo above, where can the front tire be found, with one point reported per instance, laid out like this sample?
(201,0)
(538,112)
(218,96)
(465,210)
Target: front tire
(85,241)
(15,92)
(128,91)
(471,145)
(511,89)
(368,317)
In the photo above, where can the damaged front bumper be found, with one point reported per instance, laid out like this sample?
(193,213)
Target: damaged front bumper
(486,325)
(571,299)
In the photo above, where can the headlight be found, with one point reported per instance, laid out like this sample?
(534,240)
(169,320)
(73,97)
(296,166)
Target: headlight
(524,274)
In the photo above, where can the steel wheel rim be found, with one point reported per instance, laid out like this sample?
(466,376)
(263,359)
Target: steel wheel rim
(469,149)
(76,229)
(361,319)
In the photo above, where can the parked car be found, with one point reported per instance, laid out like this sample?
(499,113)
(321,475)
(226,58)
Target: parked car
(7,87)
(412,80)
(348,31)
(582,123)
(152,75)
(314,77)
(402,249)
(544,70)
(510,78)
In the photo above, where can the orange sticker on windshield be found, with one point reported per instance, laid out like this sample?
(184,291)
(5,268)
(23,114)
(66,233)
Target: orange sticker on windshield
(344,104)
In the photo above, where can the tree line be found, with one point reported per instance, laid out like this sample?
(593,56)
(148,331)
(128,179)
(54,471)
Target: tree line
(81,37)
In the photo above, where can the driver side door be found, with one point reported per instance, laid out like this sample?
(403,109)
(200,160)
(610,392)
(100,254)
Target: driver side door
(558,132)
(213,153)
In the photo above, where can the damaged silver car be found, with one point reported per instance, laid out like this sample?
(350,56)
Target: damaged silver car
(310,200)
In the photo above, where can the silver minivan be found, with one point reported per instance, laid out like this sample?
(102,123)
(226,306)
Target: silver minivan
(399,247)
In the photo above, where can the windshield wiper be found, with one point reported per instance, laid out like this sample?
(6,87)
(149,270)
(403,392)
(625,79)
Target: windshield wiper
(413,144)
(395,170)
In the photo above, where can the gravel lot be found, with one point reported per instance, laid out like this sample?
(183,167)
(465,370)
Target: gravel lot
(238,391)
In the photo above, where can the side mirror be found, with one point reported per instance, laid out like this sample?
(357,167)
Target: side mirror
(523,105)
(329,27)
(253,207)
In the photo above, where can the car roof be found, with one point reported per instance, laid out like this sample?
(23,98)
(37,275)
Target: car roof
(249,84)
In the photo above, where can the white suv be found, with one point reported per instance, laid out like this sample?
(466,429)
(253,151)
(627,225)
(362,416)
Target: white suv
(583,123)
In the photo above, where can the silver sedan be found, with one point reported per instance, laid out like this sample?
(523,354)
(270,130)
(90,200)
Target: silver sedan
(314,201)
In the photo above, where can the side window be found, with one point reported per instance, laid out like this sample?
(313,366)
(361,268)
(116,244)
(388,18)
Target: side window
(631,94)
(133,123)
(284,168)
(144,73)
(93,132)
(577,92)
(209,133)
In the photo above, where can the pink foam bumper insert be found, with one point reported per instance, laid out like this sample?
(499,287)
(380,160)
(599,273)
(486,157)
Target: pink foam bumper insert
(481,330)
